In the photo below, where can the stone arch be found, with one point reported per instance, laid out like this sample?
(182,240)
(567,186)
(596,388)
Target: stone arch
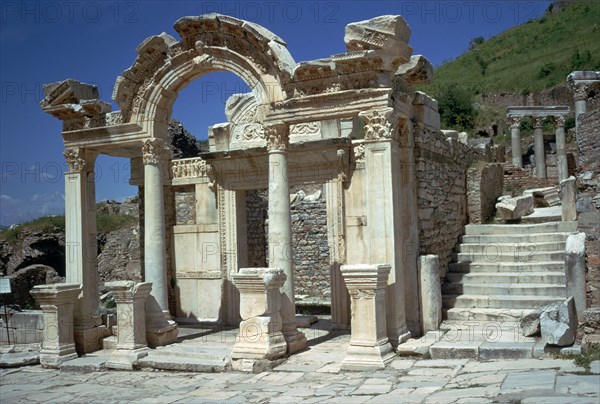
(147,90)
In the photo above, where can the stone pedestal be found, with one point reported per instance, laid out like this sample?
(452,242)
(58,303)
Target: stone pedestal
(561,151)
(280,230)
(81,247)
(540,152)
(568,193)
(260,339)
(131,322)
(160,329)
(369,347)
(57,302)
(515,136)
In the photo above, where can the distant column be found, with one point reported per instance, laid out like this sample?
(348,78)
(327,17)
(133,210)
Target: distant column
(540,153)
(580,95)
(563,167)
(515,136)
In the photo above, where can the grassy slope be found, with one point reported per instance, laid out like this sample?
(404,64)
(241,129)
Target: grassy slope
(516,57)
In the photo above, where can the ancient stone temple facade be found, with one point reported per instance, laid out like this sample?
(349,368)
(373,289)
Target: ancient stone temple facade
(394,186)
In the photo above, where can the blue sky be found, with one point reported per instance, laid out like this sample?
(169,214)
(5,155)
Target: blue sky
(94,41)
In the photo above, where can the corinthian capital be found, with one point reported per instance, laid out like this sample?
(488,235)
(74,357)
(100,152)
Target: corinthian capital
(580,92)
(538,121)
(515,121)
(75,159)
(559,121)
(278,136)
(378,124)
(153,150)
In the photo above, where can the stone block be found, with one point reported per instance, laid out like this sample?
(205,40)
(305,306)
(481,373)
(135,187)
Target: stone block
(558,323)
(575,270)
(514,208)
(530,324)
(568,192)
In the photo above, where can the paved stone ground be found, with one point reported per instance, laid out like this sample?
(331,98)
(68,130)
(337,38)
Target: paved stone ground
(306,380)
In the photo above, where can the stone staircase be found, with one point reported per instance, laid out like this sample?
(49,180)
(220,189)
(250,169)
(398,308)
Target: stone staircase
(503,272)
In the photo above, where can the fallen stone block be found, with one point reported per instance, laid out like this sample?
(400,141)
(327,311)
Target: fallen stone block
(514,208)
(558,323)
(530,324)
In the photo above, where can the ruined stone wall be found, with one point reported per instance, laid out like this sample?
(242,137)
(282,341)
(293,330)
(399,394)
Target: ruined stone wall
(309,236)
(588,200)
(484,186)
(256,216)
(441,170)
(516,180)
(185,202)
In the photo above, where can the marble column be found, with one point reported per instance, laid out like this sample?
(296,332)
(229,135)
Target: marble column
(561,152)
(280,230)
(57,301)
(515,136)
(369,347)
(159,327)
(81,247)
(580,95)
(540,153)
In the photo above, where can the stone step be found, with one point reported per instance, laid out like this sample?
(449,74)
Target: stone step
(515,238)
(549,227)
(524,248)
(527,289)
(503,267)
(507,277)
(485,314)
(189,357)
(498,301)
(497,256)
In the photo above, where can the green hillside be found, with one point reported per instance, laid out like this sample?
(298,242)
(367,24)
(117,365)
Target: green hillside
(533,56)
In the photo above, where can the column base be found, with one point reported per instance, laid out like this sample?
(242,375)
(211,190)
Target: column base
(361,358)
(160,329)
(255,342)
(399,338)
(88,338)
(296,340)
(53,358)
(255,365)
(126,359)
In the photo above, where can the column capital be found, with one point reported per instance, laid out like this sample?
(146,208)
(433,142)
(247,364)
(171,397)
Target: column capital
(538,121)
(559,121)
(77,160)
(378,124)
(278,136)
(515,121)
(154,150)
(579,91)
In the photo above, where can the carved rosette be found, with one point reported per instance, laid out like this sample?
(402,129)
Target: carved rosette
(378,124)
(153,150)
(538,121)
(515,121)
(75,160)
(359,153)
(278,137)
(559,121)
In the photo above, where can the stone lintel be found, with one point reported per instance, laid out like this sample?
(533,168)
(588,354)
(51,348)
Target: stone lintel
(537,111)
(583,77)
